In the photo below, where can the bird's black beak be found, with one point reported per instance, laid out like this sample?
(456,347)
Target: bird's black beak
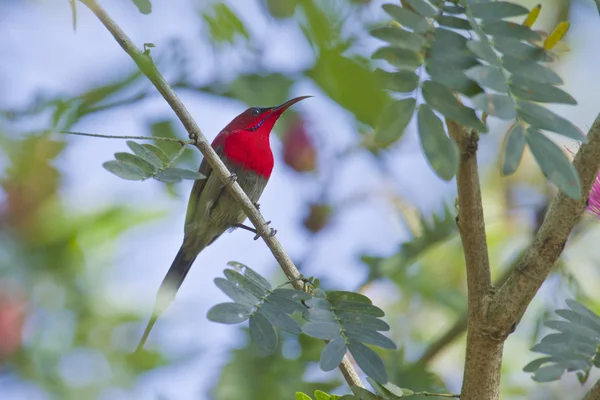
(287,104)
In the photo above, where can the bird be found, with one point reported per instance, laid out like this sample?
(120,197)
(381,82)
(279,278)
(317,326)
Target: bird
(245,149)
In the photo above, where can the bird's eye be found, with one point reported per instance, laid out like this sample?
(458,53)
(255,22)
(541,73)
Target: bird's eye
(255,111)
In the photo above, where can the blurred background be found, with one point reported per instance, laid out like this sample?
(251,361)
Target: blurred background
(83,252)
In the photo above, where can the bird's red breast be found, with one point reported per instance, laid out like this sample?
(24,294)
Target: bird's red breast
(249,149)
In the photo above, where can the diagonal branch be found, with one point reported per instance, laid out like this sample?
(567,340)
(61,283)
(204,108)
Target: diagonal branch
(146,65)
(594,393)
(512,299)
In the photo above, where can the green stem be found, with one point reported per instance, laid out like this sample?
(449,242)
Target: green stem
(164,139)
(429,394)
(179,153)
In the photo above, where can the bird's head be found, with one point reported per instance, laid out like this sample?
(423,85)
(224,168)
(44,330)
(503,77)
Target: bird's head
(260,119)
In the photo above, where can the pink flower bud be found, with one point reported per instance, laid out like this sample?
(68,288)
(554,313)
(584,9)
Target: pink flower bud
(298,150)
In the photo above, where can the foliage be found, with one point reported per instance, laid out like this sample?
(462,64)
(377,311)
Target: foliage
(346,320)
(62,253)
(149,161)
(574,348)
(497,67)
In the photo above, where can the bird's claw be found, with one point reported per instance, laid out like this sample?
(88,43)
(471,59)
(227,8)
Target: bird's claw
(257,206)
(232,178)
(271,233)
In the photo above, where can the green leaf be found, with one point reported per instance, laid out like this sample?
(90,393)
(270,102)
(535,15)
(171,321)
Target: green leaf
(535,364)
(449,47)
(302,396)
(393,121)
(454,22)
(399,37)
(531,70)
(531,90)
(137,161)
(442,99)
(322,330)
(174,175)
(319,395)
(145,153)
(144,6)
(364,98)
(257,278)
(338,296)
(584,312)
(388,391)
(279,318)
(488,76)
(223,24)
(514,146)
(554,164)
(236,293)
(229,313)
(287,305)
(519,50)
(498,105)
(158,152)
(368,361)
(401,81)
(319,303)
(292,294)
(358,308)
(318,315)
(548,373)
(453,79)
(245,283)
(422,8)
(332,354)
(369,336)
(363,394)
(407,18)
(440,150)
(351,321)
(399,57)
(263,333)
(511,30)
(484,51)
(542,118)
(124,170)
(497,10)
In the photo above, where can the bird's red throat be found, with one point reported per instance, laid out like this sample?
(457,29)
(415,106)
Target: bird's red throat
(250,150)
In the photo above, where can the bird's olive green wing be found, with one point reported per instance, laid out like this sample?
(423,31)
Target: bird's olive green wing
(206,170)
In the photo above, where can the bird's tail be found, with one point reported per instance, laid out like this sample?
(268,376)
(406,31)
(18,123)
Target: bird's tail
(169,287)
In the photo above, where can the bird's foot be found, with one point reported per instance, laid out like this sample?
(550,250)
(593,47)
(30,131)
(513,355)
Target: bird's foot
(232,178)
(257,206)
(271,233)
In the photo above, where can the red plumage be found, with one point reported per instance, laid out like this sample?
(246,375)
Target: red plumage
(245,149)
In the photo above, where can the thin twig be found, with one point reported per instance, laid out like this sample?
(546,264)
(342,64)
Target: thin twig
(164,139)
(146,65)
(429,394)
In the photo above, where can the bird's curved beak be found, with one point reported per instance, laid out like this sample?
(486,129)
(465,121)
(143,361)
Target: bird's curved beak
(287,104)
(273,113)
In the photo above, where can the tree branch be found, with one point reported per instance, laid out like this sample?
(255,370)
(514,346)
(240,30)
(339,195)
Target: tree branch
(146,65)
(460,325)
(512,299)
(594,393)
(481,379)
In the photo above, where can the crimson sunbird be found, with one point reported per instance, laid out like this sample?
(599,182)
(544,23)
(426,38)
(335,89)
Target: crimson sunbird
(244,146)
